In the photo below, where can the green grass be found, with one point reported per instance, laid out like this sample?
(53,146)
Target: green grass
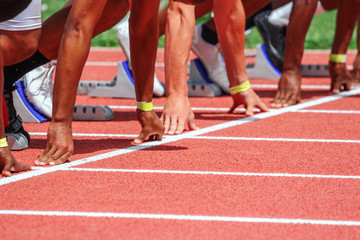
(319,36)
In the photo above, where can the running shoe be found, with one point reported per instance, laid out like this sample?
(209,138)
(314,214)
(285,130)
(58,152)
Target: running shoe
(274,39)
(211,57)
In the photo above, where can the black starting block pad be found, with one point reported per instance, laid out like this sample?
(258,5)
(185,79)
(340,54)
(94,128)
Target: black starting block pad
(199,84)
(92,113)
(122,86)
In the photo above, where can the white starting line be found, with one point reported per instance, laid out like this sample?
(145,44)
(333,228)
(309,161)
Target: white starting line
(191,134)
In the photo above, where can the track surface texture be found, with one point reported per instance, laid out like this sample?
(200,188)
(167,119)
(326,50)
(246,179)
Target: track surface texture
(291,173)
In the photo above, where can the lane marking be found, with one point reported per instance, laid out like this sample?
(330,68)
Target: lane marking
(221,126)
(277,139)
(330,111)
(214,109)
(181,217)
(275,86)
(211,138)
(243,174)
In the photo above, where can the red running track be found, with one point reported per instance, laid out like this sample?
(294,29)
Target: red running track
(291,173)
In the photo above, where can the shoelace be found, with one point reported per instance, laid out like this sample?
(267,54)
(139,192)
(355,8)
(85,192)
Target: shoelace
(46,86)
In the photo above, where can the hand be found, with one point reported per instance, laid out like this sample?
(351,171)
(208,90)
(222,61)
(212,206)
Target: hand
(250,100)
(340,77)
(152,128)
(356,71)
(59,146)
(8,163)
(177,113)
(289,90)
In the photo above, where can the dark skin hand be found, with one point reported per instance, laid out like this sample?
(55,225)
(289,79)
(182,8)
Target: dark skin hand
(152,128)
(356,71)
(340,77)
(250,100)
(8,163)
(289,90)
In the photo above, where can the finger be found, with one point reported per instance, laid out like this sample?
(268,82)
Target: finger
(249,110)
(192,125)
(167,124)
(141,138)
(232,109)
(62,159)
(158,136)
(162,118)
(45,158)
(180,127)
(335,87)
(19,167)
(6,170)
(173,125)
(347,86)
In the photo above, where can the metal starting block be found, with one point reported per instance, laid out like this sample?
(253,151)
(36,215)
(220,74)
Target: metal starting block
(199,84)
(121,86)
(92,113)
(263,67)
(25,108)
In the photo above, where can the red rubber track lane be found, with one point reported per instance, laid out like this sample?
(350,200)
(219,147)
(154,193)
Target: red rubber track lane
(294,174)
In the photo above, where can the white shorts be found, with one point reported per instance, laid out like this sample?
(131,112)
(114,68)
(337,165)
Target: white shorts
(28,19)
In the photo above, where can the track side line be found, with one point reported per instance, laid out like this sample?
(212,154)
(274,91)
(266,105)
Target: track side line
(45,170)
(181,217)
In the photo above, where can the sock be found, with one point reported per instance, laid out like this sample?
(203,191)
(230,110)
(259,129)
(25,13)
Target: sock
(14,72)
(209,35)
(280,17)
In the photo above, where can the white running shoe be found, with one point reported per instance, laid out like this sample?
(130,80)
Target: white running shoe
(39,87)
(212,59)
(122,34)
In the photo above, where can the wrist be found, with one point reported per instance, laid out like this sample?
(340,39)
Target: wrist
(145,106)
(240,88)
(337,58)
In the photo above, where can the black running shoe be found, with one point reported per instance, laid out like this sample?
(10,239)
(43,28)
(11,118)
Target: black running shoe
(18,138)
(274,39)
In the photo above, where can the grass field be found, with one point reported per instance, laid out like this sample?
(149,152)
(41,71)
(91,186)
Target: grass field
(319,36)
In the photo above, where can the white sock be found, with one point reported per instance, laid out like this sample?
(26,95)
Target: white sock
(280,16)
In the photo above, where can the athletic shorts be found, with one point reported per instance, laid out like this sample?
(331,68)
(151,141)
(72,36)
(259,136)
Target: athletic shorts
(28,19)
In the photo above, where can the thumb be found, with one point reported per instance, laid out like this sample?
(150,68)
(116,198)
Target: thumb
(231,110)
(6,170)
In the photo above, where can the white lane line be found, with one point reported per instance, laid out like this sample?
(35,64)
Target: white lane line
(211,138)
(90,135)
(330,111)
(213,109)
(243,174)
(275,86)
(278,139)
(45,170)
(181,217)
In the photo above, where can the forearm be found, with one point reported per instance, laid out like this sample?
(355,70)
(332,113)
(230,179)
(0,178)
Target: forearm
(230,24)
(179,33)
(143,27)
(300,19)
(348,13)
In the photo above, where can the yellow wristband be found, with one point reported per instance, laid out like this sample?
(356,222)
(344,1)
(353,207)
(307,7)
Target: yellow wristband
(240,88)
(338,58)
(3,142)
(145,106)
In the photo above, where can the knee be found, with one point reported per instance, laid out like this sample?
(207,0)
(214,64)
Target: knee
(17,46)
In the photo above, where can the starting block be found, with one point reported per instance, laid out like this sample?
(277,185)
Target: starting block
(263,67)
(122,86)
(17,141)
(25,108)
(199,84)
(92,113)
